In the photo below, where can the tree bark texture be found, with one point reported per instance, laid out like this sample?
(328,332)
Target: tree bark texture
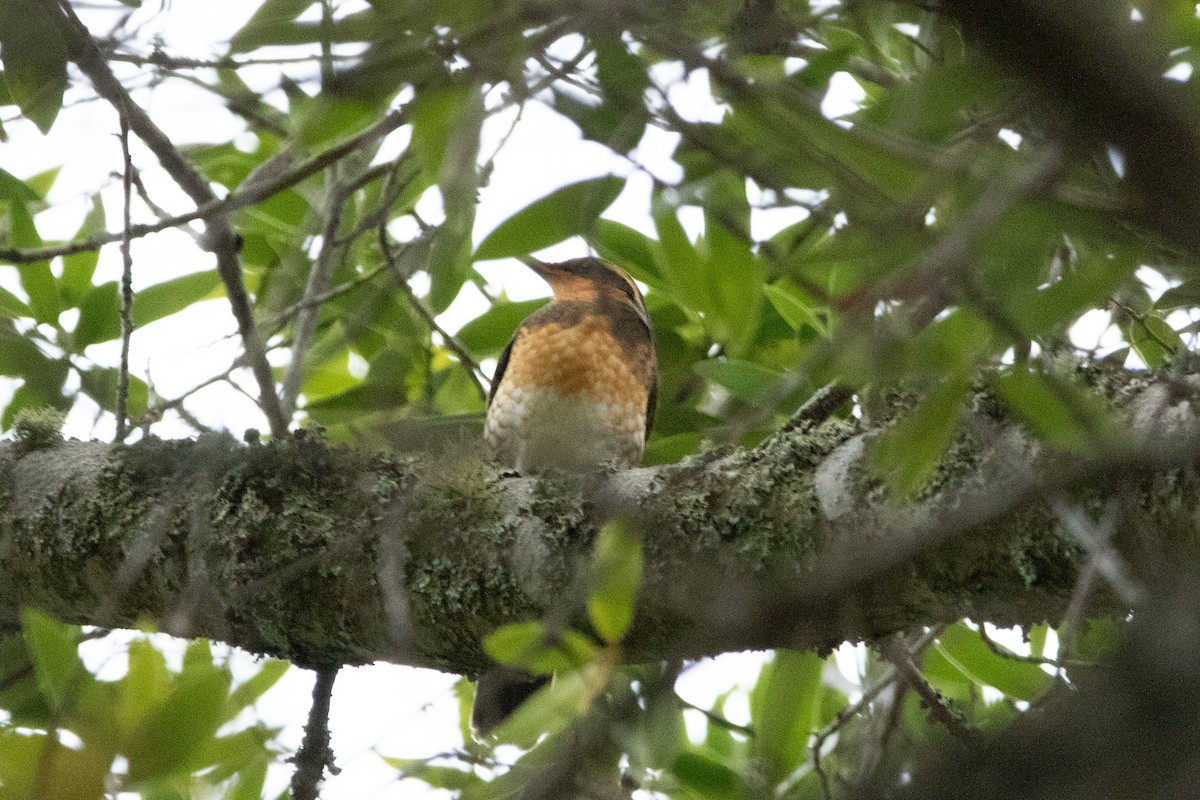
(326,555)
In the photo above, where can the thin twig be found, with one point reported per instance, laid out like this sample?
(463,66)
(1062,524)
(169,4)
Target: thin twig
(472,368)
(899,656)
(315,755)
(220,237)
(126,283)
(242,197)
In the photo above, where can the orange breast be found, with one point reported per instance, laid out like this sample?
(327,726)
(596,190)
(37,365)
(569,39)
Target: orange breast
(574,359)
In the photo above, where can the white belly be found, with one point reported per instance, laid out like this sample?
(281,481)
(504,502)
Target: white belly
(540,429)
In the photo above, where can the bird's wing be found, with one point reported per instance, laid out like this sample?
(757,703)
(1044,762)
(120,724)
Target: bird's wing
(502,365)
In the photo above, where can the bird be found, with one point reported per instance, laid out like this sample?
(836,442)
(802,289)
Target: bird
(573,392)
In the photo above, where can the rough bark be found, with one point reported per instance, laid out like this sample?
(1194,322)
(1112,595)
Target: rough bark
(328,555)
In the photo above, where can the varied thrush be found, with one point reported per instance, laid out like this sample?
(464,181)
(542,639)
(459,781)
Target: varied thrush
(573,391)
(576,386)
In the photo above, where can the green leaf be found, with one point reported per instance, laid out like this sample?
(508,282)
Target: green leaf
(35,59)
(745,380)
(629,249)
(783,711)
(36,278)
(180,727)
(1020,680)
(796,312)
(439,777)
(449,262)
(169,297)
(488,334)
(526,645)
(567,212)
(100,384)
(1058,411)
(909,452)
(265,26)
(19,357)
(145,686)
(616,576)
(1153,339)
(78,268)
(99,317)
(254,687)
(708,778)
(54,648)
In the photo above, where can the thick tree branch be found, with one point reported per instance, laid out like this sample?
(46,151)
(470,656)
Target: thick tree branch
(277,548)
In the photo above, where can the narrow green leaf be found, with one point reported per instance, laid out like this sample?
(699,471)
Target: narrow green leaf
(1059,412)
(909,452)
(1020,680)
(169,297)
(78,268)
(616,576)
(254,687)
(36,278)
(795,311)
(267,23)
(55,651)
(35,59)
(567,212)
(745,380)
(145,685)
(783,711)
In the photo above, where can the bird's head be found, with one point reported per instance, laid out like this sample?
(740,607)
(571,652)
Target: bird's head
(590,280)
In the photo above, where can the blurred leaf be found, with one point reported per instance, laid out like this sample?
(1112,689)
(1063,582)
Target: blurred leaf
(488,334)
(566,212)
(100,384)
(1096,638)
(629,249)
(35,60)
(54,648)
(172,734)
(745,380)
(1020,680)
(449,262)
(78,268)
(783,709)
(795,311)
(247,693)
(708,778)
(169,297)
(145,686)
(1059,412)
(527,645)
(1153,339)
(99,317)
(36,278)
(267,23)
(615,578)
(909,452)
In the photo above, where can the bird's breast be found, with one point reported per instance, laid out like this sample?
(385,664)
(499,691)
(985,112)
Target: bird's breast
(571,398)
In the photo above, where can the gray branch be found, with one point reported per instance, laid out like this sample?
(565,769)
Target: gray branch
(295,548)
